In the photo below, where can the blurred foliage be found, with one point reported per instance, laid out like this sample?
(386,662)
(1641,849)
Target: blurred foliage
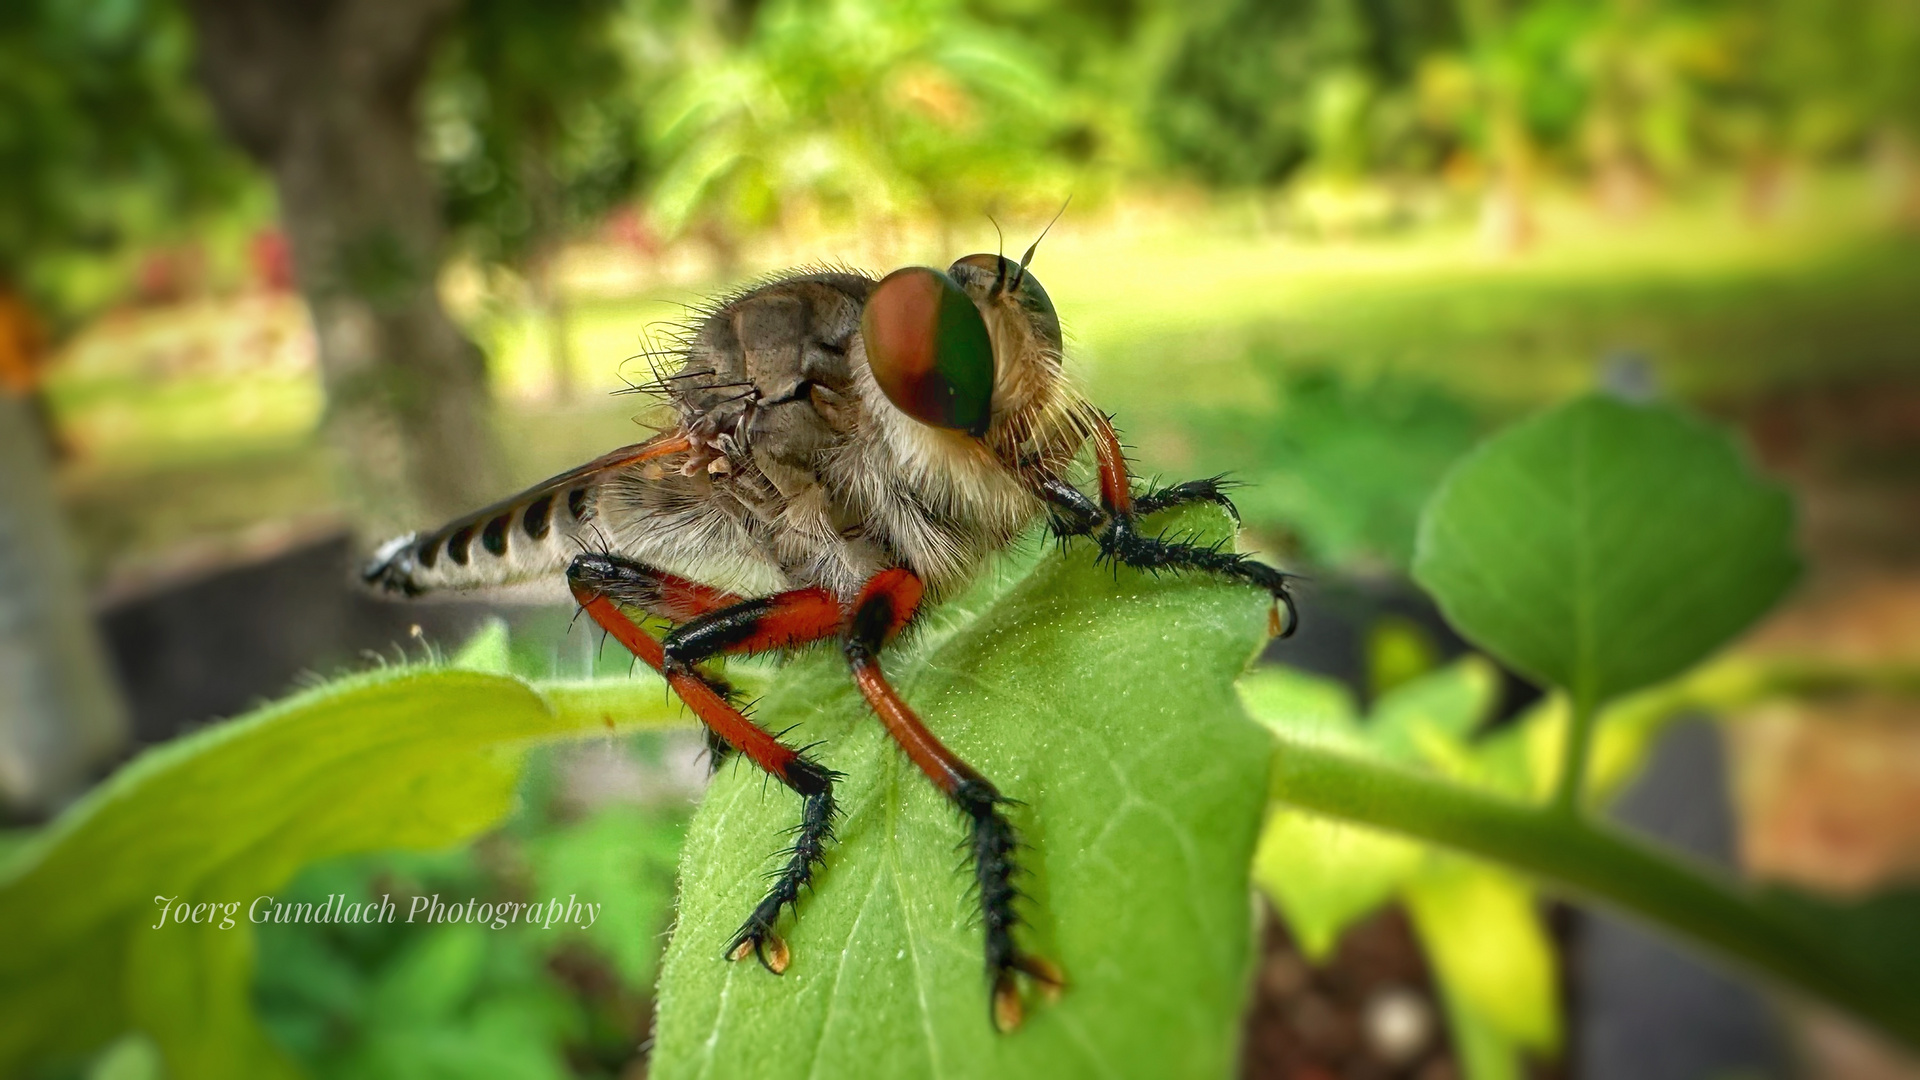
(859,112)
(728,118)
(1256,90)
(1479,924)
(396,1000)
(533,122)
(1342,464)
(106,148)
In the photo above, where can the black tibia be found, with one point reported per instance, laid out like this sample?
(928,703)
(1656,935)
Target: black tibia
(1121,540)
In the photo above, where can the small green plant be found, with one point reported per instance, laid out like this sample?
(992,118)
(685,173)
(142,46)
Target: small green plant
(1603,549)
(1477,922)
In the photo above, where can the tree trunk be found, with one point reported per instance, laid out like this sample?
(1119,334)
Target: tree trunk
(323,94)
(60,714)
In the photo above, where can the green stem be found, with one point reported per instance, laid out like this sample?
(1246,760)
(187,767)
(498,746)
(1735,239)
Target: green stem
(1573,757)
(1598,864)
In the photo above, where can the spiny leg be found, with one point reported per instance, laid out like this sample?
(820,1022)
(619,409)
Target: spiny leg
(784,620)
(596,580)
(1213,489)
(1114,523)
(885,606)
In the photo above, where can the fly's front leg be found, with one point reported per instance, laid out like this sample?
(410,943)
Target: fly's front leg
(600,583)
(885,606)
(1114,523)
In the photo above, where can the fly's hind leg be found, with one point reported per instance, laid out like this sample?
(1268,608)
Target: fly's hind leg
(885,606)
(718,622)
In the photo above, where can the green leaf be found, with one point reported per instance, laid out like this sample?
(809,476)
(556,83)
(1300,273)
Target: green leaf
(624,857)
(488,650)
(1322,875)
(1488,948)
(1104,703)
(1325,875)
(1605,546)
(1429,719)
(1483,1053)
(1297,705)
(406,758)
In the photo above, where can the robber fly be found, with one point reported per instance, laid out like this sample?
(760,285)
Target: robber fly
(844,449)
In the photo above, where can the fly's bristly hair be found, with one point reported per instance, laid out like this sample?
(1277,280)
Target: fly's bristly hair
(784,465)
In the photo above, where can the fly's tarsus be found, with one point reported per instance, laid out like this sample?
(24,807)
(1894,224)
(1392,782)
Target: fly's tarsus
(756,935)
(1120,541)
(1123,543)
(1213,489)
(993,846)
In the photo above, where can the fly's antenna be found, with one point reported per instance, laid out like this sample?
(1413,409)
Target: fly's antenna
(1035,246)
(1000,252)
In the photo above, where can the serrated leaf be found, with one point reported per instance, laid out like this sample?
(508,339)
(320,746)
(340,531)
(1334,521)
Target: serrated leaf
(1104,702)
(1604,546)
(408,758)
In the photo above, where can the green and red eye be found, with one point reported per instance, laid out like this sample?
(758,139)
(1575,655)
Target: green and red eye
(929,349)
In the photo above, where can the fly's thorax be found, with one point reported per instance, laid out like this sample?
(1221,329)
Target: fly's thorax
(758,360)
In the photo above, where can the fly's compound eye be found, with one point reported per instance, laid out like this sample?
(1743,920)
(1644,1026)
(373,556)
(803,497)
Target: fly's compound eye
(929,349)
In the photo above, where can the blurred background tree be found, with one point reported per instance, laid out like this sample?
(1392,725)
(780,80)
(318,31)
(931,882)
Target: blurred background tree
(532,120)
(103,151)
(325,98)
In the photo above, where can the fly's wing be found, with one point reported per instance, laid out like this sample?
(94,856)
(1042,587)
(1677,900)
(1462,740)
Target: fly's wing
(528,538)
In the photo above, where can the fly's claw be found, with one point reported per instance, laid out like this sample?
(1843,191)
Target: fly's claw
(1282,625)
(1008,1010)
(762,942)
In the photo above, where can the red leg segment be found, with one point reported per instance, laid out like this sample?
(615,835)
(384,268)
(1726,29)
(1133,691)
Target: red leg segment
(593,578)
(1116,486)
(712,709)
(884,608)
(781,621)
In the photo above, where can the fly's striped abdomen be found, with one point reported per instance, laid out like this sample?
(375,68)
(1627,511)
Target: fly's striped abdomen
(530,536)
